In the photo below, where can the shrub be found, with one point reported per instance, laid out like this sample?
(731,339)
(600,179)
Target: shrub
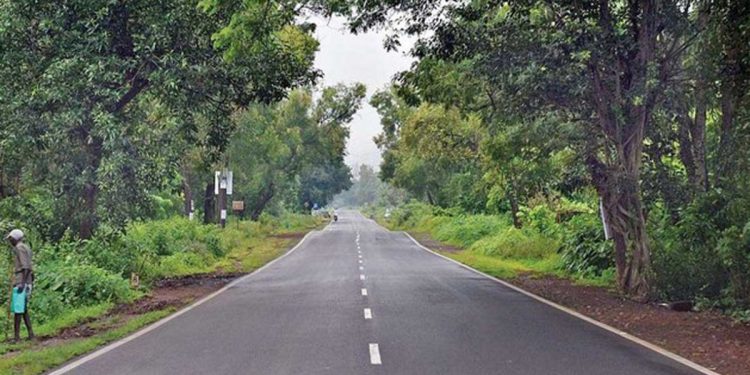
(61,286)
(734,251)
(181,264)
(584,249)
(163,238)
(684,257)
(543,219)
(517,244)
(464,230)
(409,214)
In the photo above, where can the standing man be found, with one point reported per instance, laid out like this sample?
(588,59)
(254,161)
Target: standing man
(22,281)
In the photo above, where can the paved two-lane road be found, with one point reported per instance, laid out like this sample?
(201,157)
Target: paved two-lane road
(357,299)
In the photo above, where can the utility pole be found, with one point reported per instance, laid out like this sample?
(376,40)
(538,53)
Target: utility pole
(223,203)
(223,188)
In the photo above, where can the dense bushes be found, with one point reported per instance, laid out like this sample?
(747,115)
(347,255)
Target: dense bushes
(485,235)
(704,256)
(61,286)
(517,244)
(71,273)
(569,238)
(464,230)
(584,249)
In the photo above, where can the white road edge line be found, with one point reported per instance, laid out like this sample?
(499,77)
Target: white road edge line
(368,314)
(625,335)
(375,355)
(67,368)
(364,292)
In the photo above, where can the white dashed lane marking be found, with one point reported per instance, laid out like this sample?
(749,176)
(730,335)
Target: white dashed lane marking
(361,277)
(364,292)
(368,314)
(375,354)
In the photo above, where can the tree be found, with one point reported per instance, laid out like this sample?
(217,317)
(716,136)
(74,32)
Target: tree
(296,146)
(86,79)
(602,67)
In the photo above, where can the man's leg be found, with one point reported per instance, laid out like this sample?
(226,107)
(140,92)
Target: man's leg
(27,321)
(17,326)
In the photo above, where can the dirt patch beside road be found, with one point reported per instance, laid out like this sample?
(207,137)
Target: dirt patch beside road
(708,338)
(429,243)
(177,292)
(289,236)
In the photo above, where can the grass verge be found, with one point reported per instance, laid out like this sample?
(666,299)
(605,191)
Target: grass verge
(251,245)
(38,360)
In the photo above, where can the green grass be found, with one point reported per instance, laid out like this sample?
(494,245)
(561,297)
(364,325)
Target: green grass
(250,245)
(53,327)
(490,244)
(250,252)
(605,280)
(38,361)
(506,268)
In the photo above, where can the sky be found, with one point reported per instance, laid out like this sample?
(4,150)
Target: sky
(347,58)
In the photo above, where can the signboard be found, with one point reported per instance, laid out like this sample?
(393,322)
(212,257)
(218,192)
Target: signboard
(238,206)
(223,180)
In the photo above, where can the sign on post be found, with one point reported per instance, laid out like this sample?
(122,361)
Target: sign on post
(223,180)
(223,188)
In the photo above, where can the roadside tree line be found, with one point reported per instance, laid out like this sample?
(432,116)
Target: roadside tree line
(115,111)
(639,109)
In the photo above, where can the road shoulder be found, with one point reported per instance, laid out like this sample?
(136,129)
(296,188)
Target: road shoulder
(689,338)
(113,327)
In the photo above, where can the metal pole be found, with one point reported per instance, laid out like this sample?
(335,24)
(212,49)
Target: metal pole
(223,205)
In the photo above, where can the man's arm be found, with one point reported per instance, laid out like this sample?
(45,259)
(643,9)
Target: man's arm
(25,279)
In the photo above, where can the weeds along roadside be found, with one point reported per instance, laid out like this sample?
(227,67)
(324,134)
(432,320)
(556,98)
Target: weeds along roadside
(77,281)
(691,261)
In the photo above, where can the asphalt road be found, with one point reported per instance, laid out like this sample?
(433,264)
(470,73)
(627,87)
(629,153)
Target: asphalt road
(357,299)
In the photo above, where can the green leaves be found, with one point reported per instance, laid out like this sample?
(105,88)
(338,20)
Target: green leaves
(114,93)
(292,152)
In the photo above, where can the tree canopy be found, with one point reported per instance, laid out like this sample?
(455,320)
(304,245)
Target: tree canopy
(644,102)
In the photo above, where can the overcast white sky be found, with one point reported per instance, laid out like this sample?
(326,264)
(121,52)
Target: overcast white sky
(347,58)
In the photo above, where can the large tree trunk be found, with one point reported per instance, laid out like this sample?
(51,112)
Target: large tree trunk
(623,210)
(735,83)
(726,141)
(208,204)
(692,137)
(2,184)
(188,194)
(430,199)
(187,190)
(89,218)
(698,138)
(623,98)
(514,211)
(260,204)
